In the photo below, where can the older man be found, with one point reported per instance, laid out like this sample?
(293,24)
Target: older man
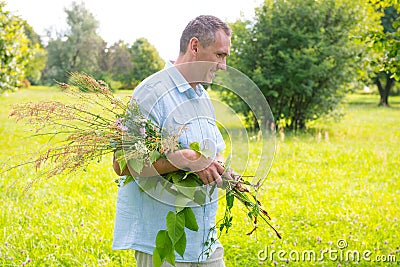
(175,99)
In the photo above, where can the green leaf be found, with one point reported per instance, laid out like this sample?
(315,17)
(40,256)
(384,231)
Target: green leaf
(200,196)
(171,257)
(229,199)
(190,219)
(154,156)
(181,203)
(148,183)
(136,164)
(195,177)
(187,187)
(163,244)
(189,175)
(195,146)
(175,226)
(120,156)
(157,261)
(212,190)
(128,179)
(176,177)
(180,246)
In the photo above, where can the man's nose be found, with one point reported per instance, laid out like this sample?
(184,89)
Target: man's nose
(222,64)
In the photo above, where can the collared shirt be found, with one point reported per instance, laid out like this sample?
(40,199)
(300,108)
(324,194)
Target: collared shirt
(169,101)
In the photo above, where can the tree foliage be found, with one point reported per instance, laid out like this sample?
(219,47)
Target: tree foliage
(14,50)
(130,64)
(145,59)
(80,48)
(383,45)
(387,38)
(119,65)
(37,61)
(299,54)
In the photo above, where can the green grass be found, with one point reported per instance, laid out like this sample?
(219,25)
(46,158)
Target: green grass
(337,181)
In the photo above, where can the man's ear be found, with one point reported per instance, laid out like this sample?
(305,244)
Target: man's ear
(194,45)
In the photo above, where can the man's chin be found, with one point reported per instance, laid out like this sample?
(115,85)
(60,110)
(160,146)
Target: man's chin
(209,81)
(210,78)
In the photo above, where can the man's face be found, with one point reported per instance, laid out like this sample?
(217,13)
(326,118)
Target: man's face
(215,53)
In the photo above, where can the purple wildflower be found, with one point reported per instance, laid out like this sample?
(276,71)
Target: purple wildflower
(143,132)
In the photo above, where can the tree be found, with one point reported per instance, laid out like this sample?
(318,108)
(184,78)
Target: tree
(384,45)
(128,65)
(80,48)
(37,61)
(120,65)
(145,60)
(299,54)
(14,50)
(389,38)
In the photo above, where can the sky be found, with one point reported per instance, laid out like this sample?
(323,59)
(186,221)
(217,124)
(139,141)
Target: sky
(161,21)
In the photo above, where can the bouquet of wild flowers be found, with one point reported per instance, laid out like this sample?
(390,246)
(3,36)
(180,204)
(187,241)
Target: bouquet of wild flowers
(97,123)
(94,124)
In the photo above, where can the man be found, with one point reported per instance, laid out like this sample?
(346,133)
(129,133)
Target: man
(175,99)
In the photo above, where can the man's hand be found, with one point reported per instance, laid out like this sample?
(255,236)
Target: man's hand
(209,170)
(211,173)
(231,175)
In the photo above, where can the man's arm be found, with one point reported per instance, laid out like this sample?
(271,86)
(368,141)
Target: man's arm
(208,170)
(161,166)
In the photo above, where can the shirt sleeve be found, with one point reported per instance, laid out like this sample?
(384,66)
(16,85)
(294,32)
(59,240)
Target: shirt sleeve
(149,103)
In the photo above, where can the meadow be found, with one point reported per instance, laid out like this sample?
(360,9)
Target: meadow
(332,192)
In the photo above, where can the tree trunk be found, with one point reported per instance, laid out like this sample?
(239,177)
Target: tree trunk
(384,91)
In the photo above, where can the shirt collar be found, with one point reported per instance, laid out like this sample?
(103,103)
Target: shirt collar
(180,82)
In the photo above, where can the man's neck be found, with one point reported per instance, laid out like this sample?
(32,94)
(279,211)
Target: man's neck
(181,65)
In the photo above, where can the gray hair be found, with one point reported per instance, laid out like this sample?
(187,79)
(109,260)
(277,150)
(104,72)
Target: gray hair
(203,28)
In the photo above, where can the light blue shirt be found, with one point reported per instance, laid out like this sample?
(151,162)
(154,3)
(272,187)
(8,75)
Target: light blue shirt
(169,101)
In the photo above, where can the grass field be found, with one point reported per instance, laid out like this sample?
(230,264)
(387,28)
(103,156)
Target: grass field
(333,193)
